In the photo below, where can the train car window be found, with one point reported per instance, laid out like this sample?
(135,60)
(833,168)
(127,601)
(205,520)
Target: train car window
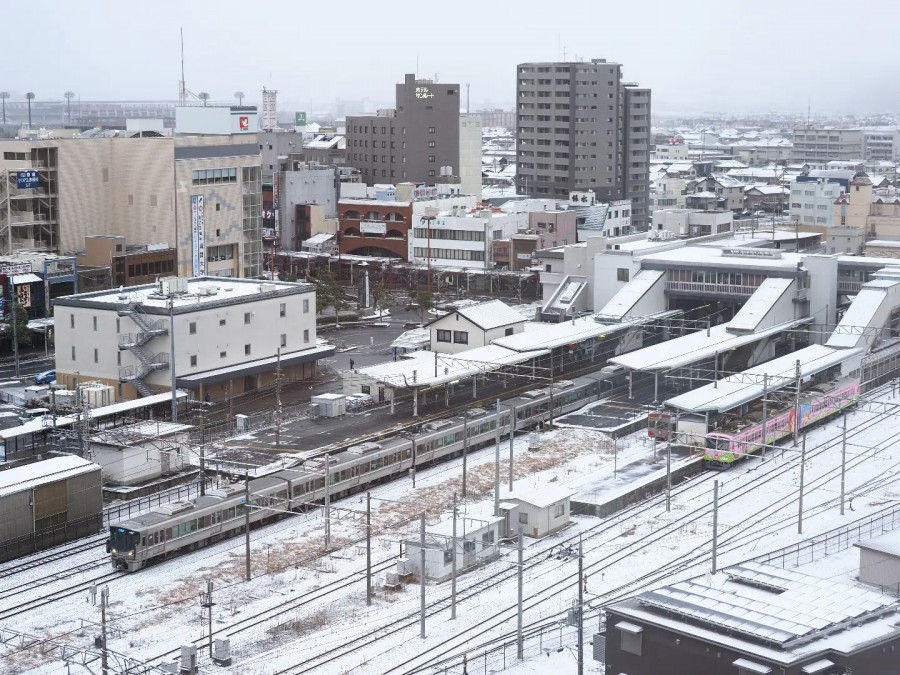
(407,453)
(168,533)
(143,541)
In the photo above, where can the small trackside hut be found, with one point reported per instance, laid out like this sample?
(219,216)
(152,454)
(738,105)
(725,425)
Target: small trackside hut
(47,503)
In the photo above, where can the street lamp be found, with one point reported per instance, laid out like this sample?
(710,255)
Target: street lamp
(239,95)
(28,97)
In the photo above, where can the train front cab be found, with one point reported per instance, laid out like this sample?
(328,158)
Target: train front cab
(123,546)
(719,454)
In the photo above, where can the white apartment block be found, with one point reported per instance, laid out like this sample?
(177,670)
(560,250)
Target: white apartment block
(812,201)
(227,335)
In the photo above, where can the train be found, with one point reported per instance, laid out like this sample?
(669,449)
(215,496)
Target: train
(724,448)
(188,525)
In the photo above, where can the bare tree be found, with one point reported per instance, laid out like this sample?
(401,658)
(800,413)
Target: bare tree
(239,95)
(203,96)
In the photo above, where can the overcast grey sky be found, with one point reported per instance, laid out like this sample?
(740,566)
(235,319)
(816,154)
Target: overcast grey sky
(696,55)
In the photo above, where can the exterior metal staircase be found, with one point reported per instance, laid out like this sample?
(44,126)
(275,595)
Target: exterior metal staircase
(135,342)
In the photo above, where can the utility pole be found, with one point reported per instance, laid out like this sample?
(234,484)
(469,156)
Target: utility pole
(715,532)
(368,549)
(104,599)
(800,501)
(278,399)
(520,644)
(422,574)
(580,608)
(247,521)
(15,328)
(497,464)
(453,566)
(615,458)
(207,604)
(843,459)
(202,450)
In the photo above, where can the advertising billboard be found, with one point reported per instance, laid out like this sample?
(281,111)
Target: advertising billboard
(269,109)
(197,236)
(300,119)
(372,227)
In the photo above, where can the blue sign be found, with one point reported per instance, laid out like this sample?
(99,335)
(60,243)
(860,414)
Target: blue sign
(26,180)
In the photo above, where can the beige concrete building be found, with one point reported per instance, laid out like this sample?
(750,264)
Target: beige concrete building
(55,192)
(875,212)
(227,333)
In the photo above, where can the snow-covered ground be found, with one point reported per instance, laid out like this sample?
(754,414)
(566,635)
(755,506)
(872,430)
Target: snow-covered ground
(306,612)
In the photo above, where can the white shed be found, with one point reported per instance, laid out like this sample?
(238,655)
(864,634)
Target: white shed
(477,536)
(140,452)
(542,510)
(879,561)
(474,326)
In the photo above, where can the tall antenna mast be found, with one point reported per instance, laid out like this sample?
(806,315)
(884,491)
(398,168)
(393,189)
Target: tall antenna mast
(181,97)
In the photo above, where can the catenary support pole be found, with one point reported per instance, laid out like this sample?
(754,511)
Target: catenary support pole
(843,459)
(327,501)
(368,549)
(422,575)
(800,500)
(715,528)
(580,608)
(497,464)
(512,437)
(797,406)
(104,599)
(465,451)
(247,522)
(209,603)
(520,644)
(765,415)
(668,477)
(453,565)
(172,357)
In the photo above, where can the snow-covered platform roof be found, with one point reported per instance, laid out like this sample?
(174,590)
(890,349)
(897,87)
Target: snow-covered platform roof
(736,390)
(695,347)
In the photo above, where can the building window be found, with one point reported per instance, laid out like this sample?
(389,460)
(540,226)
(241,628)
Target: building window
(284,339)
(95,323)
(246,317)
(461,337)
(246,350)
(96,356)
(73,352)
(282,310)
(431,144)
(523,518)
(622,274)
(306,335)
(306,306)
(443,336)
(192,328)
(430,130)
(559,510)
(193,360)
(631,637)
(488,537)
(509,331)
(222,355)
(221,322)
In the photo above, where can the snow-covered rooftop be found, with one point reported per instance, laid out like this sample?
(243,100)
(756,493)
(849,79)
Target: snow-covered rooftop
(694,347)
(741,388)
(490,315)
(47,471)
(886,543)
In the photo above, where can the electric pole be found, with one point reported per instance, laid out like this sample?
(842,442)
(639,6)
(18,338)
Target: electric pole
(520,644)
(843,459)
(422,573)
(580,608)
(512,434)
(497,464)
(207,604)
(453,566)
(800,500)
(715,528)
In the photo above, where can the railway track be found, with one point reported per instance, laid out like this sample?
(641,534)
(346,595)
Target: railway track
(12,611)
(42,558)
(612,558)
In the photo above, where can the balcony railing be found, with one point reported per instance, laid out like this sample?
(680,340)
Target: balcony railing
(849,286)
(710,289)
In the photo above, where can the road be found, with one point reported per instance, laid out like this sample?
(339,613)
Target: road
(29,365)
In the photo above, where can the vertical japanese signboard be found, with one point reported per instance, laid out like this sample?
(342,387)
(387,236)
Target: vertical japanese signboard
(197,236)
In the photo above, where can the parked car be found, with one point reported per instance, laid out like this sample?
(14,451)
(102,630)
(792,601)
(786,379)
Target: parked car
(47,377)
